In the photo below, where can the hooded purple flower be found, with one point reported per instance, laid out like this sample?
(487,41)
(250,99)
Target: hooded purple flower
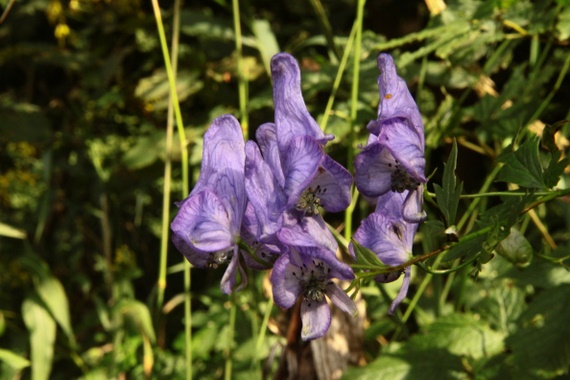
(393,159)
(268,211)
(390,236)
(308,272)
(312,178)
(207,227)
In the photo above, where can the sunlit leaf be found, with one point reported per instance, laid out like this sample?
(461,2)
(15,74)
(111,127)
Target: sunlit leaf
(13,360)
(267,43)
(9,231)
(51,292)
(155,90)
(42,329)
(53,295)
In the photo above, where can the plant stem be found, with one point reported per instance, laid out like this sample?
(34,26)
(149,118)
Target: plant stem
(185,179)
(242,81)
(353,113)
(231,333)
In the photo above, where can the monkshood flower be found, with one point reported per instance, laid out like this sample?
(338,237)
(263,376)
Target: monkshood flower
(311,178)
(386,233)
(207,227)
(393,158)
(308,272)
(268,211)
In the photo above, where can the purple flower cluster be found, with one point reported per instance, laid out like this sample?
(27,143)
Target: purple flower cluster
(267,194)
(390,170)
(257,203)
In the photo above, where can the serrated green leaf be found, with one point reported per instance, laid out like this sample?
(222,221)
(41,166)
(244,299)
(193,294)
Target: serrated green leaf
(42,328)
(447,195)
(492,228)
(461,335)
(522,167)
(436,364)
(541,344)
(500,304)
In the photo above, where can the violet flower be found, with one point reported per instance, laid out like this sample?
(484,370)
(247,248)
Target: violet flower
(391,237)
(207,227)
(393,159)
(308,272)
(268,211)
(312,178)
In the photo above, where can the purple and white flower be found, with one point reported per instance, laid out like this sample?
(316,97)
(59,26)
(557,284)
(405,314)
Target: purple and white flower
(393,158)
(308,272)
(207,227)
(312,178)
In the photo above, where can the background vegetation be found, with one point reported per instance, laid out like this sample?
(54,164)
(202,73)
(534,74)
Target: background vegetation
(87,162)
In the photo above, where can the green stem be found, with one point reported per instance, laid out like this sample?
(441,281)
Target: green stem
(326,26)
(185,178)
(231,333)
(550,194)
(168,165)
(340,72)
(242,81)
(263,329)
(353,112)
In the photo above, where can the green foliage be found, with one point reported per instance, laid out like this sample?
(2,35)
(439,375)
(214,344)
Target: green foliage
(83,107)
(448,194)
(41,326)
(522,166)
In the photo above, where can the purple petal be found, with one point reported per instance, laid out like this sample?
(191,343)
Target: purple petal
(229,278)
(291,115)
(341,299)
(338,269)
(405,147)
(286,287)
(311,231)
(265,194)
(395,98)
(390,239)
(374,167)
(316,318)
(202,224)
(412,209)
(224,148)
(403,291)
(390,204)
(230,189)
(300,164)
(335,183)
(267,139)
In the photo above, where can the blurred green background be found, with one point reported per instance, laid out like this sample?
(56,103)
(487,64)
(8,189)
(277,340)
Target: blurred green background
(83,113)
